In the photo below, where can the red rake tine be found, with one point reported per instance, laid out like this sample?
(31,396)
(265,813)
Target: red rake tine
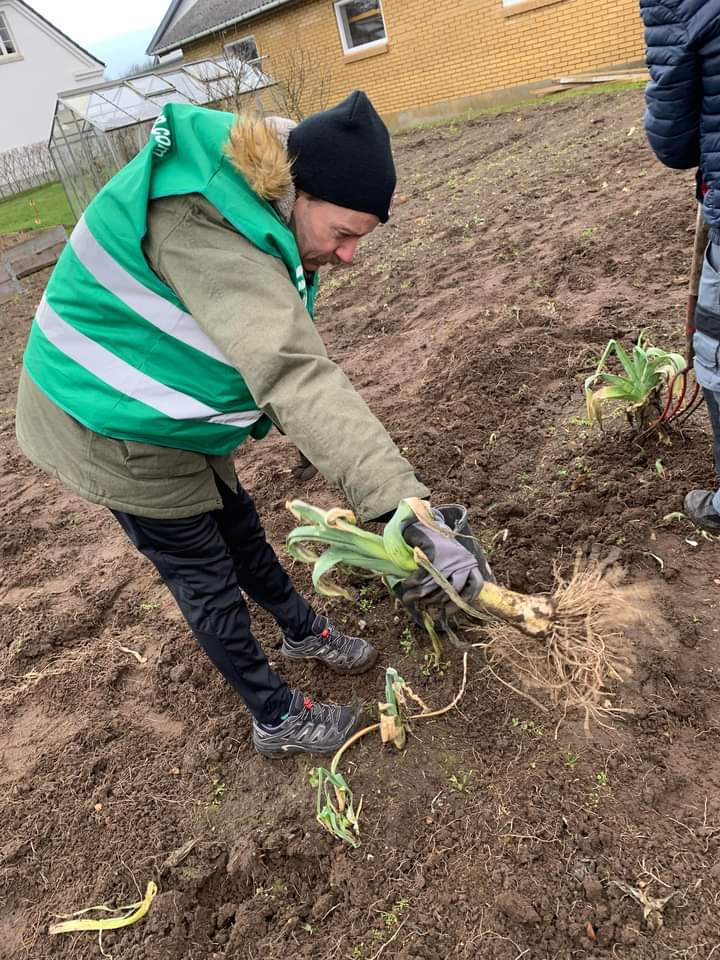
(667,417)
(692,405)
(673,406)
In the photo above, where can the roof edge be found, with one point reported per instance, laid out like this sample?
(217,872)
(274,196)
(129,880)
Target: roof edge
(162,26)
(269,5)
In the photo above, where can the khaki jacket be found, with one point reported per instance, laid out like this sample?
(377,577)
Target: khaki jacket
(245,302)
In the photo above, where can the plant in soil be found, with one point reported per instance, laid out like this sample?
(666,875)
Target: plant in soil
(646,372)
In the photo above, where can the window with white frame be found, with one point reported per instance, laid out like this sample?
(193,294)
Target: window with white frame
(244,49)
(8,47)
(361,24)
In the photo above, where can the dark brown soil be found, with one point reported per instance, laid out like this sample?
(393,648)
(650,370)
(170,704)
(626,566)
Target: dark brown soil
(519,245)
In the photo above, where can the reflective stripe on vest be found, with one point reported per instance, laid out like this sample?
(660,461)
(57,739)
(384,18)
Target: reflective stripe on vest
(113,345)
(155,309)
(126,379)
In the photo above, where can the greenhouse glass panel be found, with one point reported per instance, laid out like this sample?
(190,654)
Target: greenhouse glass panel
(208,70)
(96,130)
(149,86)
(188,86)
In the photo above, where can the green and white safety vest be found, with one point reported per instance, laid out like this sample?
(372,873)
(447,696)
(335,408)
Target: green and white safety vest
(111,344)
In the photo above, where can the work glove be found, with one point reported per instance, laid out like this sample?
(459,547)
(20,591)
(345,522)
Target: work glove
(453,551)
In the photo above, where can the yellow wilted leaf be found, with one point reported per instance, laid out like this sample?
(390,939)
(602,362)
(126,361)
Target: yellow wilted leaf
(111,923)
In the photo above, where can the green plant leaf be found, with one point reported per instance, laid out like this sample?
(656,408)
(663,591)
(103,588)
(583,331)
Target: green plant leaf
(628,365)
(596,399)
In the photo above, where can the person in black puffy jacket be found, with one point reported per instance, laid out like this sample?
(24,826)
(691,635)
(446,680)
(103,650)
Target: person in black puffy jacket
(682,122)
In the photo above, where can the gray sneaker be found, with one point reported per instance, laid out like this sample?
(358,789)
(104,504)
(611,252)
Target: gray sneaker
(341,653)
(309,727)
(699,508)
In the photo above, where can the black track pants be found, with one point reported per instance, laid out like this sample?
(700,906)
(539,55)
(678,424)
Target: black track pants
(206,560)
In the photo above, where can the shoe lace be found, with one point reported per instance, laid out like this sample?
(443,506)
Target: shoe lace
(320,712)
(340,641)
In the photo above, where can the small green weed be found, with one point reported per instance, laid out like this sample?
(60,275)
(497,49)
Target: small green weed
(365,599)
(602,781)
(432,666)
(278,888)
(218,792)
(391,918)
(407,640)
(526,726)
(461,783)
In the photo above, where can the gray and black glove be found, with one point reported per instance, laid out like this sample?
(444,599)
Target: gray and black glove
(453,551)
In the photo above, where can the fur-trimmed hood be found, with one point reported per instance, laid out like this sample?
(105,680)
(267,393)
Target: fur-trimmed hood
(258,149)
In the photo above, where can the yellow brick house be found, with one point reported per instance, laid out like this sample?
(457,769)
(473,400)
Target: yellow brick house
(416,59)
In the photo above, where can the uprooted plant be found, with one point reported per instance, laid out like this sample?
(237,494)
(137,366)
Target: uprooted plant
(335,809)
(568,645)
(651,388)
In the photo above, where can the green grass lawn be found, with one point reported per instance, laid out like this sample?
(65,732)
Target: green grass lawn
(50,207)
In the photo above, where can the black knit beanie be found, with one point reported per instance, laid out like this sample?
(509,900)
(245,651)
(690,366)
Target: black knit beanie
(343,155)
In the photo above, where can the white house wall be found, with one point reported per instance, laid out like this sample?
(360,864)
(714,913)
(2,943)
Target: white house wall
(47,63)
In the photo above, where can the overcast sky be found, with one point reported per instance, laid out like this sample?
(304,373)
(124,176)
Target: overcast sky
(87,22)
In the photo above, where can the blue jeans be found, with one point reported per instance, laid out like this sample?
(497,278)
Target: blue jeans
(707,350)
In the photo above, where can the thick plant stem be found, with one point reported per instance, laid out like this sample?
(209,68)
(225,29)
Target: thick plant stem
(532,614)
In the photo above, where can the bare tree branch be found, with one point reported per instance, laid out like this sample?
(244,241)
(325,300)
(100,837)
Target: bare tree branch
(24,167)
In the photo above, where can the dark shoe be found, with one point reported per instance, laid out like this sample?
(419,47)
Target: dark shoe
(308,728)
(336,650)
(699,508)
(303,469)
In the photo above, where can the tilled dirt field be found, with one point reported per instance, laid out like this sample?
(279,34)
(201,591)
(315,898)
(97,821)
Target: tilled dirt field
(519,245)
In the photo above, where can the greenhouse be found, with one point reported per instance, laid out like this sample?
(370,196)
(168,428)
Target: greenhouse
(96,130)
